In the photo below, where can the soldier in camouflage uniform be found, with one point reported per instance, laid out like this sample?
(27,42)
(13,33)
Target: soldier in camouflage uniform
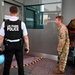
(63,45)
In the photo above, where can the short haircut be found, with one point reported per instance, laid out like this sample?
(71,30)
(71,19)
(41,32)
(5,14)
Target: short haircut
(60,17)
(13,9)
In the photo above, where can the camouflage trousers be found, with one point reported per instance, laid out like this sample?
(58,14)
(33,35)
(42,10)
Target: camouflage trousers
(63,60)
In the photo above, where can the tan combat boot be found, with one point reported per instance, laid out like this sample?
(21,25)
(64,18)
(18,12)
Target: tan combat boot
(57,72)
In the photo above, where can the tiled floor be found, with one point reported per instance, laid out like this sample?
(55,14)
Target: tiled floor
(43,67)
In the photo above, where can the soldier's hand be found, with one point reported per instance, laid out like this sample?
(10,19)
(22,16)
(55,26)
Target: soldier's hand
(59,53)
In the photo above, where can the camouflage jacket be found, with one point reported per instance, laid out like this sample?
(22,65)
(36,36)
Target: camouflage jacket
(63,36)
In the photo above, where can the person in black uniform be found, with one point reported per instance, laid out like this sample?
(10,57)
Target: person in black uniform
(12,32)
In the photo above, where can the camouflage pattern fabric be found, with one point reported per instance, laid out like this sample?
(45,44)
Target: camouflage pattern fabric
(63,46)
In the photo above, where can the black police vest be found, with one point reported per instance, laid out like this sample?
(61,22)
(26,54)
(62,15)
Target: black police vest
(13,30)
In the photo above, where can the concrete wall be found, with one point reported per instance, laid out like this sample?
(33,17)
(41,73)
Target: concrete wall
(20,1)
(44,40)
(11,2)
(1,12)
(41,40)
(34,2)
(68,10)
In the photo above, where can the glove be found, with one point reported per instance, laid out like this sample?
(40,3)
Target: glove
(26,50)
(1,52)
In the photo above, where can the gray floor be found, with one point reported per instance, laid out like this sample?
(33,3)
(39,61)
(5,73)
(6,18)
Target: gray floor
(43,67)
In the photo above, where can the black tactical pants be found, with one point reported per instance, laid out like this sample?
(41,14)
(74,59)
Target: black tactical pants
(10,50)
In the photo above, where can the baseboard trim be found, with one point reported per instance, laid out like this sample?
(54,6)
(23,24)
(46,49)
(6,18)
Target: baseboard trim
(43,55)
